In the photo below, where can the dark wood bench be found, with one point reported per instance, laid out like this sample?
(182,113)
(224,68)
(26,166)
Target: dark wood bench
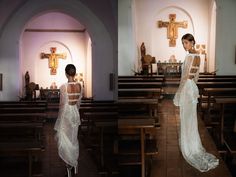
(128,106)
(220,79)
(223,102)
(216,76)
(90,111)
(202,85)
(135,151)
(24,120)
(142,76)
(22,110)
(140,93)
(21,131)
(98,122)
(19,139)
(102,118)
(121,80)
(207,98)
(140,85)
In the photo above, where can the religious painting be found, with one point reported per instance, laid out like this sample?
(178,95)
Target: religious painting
(0,82)
(53,59)
(172,28)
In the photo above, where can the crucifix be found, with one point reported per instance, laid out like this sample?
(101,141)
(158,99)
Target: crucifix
(172,28)
(53,59)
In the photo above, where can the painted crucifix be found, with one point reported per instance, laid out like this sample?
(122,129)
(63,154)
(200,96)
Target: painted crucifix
(172,28)
(53,59)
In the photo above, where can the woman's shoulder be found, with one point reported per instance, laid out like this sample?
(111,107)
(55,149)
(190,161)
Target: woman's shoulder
(193,58)
(74,83)
(192,55)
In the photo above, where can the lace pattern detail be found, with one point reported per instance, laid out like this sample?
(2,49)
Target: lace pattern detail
(66,128)
(189,140)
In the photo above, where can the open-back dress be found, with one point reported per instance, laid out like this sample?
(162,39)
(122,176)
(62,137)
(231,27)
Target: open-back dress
(67,125)
(186,98)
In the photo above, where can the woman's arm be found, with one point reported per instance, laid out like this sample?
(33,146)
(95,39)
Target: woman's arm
(62,95)
(81,94)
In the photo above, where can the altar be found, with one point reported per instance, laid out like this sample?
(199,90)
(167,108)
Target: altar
(49,94)
(169,68)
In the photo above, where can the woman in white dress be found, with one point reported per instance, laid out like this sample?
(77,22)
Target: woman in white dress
(186,98)
(68,120)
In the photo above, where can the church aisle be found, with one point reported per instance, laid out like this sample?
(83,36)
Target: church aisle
(169,162)
(53,166)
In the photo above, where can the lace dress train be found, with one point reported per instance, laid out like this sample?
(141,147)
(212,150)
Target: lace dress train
(67,125)
(189,140)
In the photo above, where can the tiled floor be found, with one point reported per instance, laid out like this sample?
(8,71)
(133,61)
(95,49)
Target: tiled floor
(169,162)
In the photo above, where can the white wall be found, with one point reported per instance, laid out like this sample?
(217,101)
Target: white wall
(88,73)
(71,43)
(212,38)
(103,44)
(126,38)
(147,13)
(225,37)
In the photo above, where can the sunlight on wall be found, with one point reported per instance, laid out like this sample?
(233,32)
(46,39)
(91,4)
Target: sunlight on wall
(74,44)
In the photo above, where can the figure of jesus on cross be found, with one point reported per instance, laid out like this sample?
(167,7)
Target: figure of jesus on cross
(172,28)
(53,59)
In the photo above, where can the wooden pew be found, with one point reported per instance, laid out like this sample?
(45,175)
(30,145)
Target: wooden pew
(142,76)
(127,104)
(23,110)
(99,119)
(140,93)
(216,76)
(216,79)
(202,85)
(140,80)
(89,111)
(16,104)
(103,116)
(21,131)
(209,93)
(223,102)
(135,154)
(140,85)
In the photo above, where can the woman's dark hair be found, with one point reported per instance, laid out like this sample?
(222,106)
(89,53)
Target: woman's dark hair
(189,37)
(70,70)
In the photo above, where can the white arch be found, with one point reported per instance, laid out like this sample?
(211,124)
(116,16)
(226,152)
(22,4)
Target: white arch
(103,52)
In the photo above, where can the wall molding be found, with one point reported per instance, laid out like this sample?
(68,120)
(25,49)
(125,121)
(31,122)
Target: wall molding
(57,30)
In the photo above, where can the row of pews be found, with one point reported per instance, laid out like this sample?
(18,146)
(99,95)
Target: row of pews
(121,135)
(21,136)
(137,142)
(216,106)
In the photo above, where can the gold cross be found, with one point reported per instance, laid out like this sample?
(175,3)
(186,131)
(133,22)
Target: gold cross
(172,28)
(53,59)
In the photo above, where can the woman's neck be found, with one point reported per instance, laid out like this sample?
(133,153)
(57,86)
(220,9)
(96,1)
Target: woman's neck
(192,51)
(71,79)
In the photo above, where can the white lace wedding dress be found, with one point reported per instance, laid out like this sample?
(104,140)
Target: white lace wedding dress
(186,98)
(66,126)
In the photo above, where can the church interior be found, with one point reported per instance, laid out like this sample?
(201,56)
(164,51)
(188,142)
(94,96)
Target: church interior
(129,57)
